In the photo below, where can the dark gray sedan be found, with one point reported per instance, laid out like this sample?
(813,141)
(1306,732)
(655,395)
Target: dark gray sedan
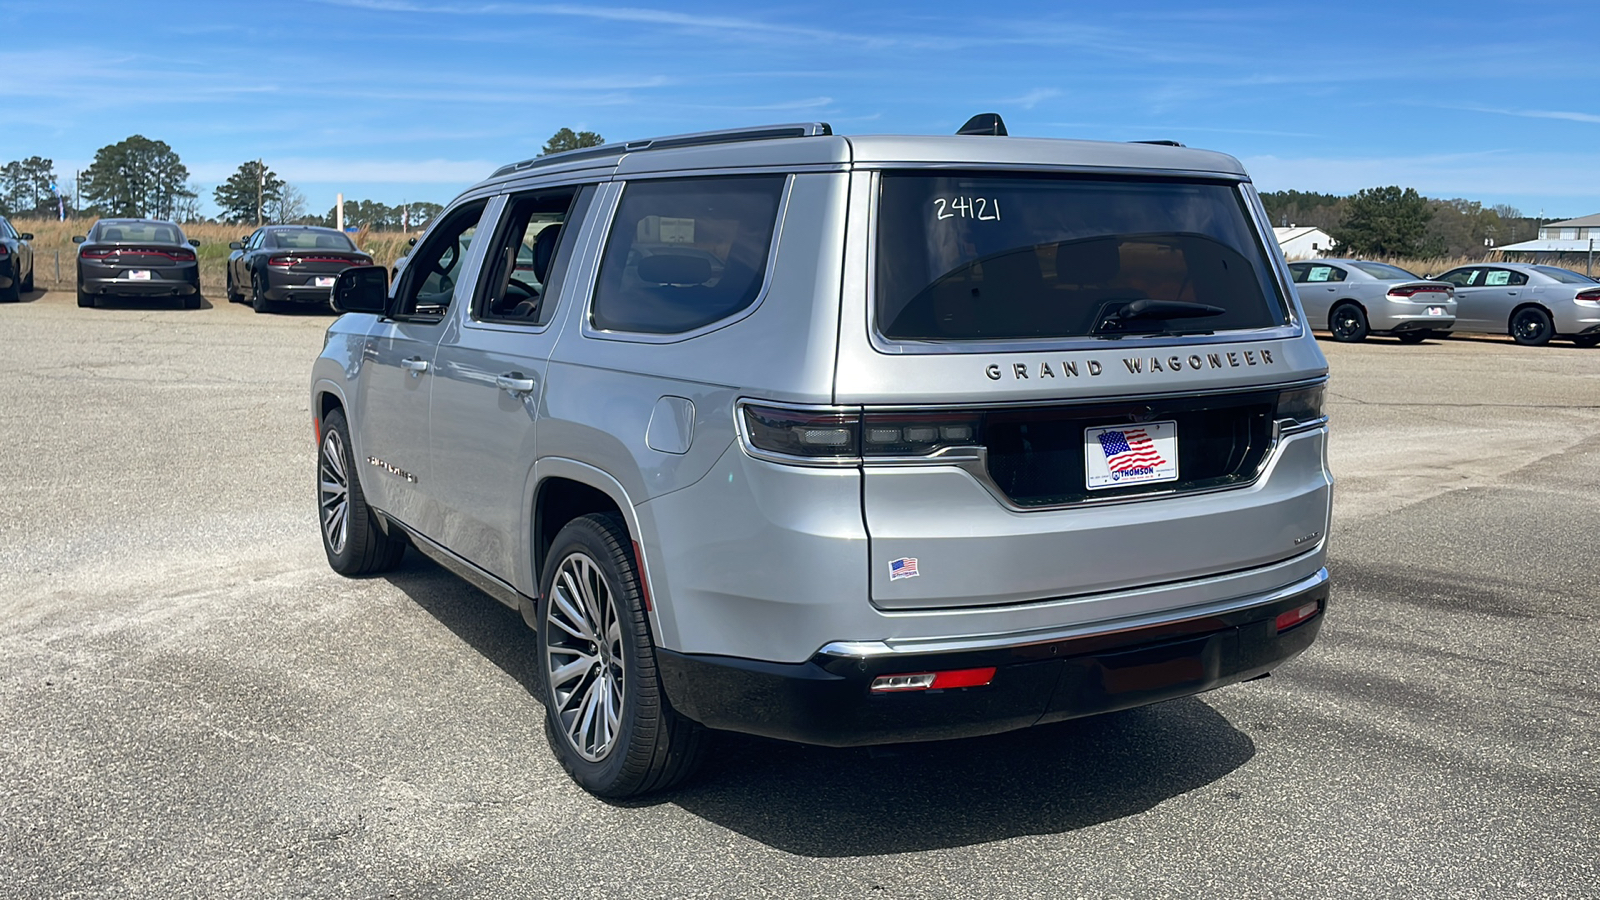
(16,263)
(289,264)
(1353,298)
(137,258)
(1531,303)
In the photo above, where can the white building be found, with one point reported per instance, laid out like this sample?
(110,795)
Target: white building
(1304,241)
(1570,243)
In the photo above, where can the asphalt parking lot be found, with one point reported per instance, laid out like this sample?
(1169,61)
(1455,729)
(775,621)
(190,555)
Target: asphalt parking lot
(192,704)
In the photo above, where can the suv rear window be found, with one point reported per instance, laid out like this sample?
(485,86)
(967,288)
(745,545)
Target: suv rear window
(684,253)
(1004,257)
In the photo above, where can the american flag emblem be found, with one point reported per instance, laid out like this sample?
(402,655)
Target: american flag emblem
(1129,449)
(905,567)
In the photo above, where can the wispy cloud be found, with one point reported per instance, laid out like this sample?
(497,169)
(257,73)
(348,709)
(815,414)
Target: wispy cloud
(1563,115)
(1032,98)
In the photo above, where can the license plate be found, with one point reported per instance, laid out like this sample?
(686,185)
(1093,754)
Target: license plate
(1120,455)
(325,280)
(1435,310)
(138,274)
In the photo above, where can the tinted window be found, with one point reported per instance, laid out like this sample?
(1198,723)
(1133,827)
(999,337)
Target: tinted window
(523,269)
(1299,271)
(1459,277)
(686,252)
(6,230)
(310,240)
(434,269)
(149,232)
(1384,271)
(983,257)
(1565,276)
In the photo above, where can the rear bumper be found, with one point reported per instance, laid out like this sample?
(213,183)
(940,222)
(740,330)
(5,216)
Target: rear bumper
(292,287)
(1039,677)
(166,286)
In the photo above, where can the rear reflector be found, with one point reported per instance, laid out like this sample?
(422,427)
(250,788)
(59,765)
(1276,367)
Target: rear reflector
(933,681)
(1294,617)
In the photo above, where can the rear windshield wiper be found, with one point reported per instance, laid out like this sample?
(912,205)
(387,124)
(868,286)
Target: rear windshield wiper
(1149,310)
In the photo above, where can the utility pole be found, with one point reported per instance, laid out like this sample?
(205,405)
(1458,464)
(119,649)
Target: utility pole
(338,213)
(261,177)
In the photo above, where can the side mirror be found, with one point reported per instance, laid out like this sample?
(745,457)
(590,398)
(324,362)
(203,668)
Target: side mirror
(361,289)
(193,242)
(78,239)
(236,245)
(26,236)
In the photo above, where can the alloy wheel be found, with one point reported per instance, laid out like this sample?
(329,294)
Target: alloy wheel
(333,489)
(584,663)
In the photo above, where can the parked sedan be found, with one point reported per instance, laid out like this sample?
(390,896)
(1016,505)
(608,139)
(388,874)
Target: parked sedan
(1531,303)
(289,264)
(137,257)
(1353,298)
(16,263)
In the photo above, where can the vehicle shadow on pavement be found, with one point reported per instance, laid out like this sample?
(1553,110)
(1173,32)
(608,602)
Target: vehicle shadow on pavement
(827,802)
(821,802)
(147,303)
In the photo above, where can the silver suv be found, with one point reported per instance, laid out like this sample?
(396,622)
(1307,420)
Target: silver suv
(842,440)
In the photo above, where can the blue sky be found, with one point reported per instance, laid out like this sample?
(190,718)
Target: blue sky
(397,100)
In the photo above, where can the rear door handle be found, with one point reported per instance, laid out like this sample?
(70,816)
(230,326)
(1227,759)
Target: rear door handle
(514,382)
(416,365)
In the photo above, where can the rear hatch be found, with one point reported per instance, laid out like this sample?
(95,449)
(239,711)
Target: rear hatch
(1076,385)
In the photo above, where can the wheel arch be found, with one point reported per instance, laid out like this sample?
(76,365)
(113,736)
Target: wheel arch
(1531,304)
(562,489)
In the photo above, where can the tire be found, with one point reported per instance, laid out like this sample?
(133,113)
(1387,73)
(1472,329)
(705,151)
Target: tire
(1586,340)
(351,538)
(591,585)
(27,286)
(191,302)
(233,293)
(1413,337)
(85,301)
(1531,327)
(258,298)
(1347,323)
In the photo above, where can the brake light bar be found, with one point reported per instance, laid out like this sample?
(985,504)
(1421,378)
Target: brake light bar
(108,252)
(933,681)
(281,261)
(1411,290)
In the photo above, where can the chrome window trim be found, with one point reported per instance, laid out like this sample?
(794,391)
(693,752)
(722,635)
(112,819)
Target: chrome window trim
(1255,216)
(588,328)
(914,646)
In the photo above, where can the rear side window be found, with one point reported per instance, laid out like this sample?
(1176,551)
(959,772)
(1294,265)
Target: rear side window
(991,257)
(1385,272)
(684,253)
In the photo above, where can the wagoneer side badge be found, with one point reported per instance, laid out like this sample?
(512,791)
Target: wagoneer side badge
(1137,365)
(392,470)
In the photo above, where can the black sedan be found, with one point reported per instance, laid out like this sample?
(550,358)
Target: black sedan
(137,258)
(16,263)
(289,264)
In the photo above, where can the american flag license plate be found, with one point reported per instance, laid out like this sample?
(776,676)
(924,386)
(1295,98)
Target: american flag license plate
(1120,455)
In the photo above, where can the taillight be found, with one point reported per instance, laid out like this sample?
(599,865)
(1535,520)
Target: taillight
(96,254)
(1591,296)
(1411,290)
(281,261)
(849,435)
(181,255)
(813,435)
(914,434)
(1302,406)
(4,250)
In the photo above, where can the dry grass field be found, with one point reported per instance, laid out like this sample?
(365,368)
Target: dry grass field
(54,251)
(52,243)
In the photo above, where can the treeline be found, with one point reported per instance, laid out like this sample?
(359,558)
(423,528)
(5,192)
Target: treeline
(1394,221)
(143,178)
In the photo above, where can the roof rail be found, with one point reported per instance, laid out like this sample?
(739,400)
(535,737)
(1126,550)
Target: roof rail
(669,142)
